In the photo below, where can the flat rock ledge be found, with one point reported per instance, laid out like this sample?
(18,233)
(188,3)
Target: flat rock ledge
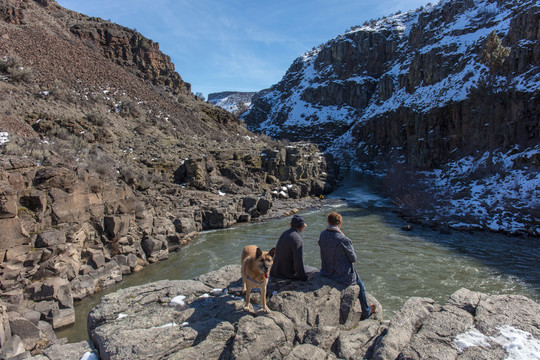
(317,319)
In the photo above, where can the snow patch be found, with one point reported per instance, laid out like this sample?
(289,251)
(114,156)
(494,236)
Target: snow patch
(172,324)
(178,300)
(4,137)
(519,344)
(90,356)
(218,292)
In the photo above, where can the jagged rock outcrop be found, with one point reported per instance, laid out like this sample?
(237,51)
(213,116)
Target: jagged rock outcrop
(86,234)
(303,167)
(129,48)
(204,318)
(470,324)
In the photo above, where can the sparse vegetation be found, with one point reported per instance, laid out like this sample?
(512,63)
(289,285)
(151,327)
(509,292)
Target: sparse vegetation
(59,92)
(242,108)
(33,148)
(130,108)
(97,117)
(200,96)
(12,66)
(493,55)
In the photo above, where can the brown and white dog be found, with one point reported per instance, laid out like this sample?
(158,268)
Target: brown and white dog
(256,266)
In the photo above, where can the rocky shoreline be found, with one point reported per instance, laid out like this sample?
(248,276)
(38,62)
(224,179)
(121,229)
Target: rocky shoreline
(68,233)
(204,318)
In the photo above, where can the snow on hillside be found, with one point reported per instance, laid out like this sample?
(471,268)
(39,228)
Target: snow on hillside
(460,37)
(231,101)
(502,200)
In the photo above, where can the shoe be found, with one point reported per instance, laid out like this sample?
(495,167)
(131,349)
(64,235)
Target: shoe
(372,308)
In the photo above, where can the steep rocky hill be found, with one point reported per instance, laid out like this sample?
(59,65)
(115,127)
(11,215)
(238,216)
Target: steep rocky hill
(422,91)
(109,162)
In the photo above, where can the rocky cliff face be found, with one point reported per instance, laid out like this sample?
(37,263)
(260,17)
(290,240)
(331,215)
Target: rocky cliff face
(404,86)
(409,92)
(109,163)
(130,49)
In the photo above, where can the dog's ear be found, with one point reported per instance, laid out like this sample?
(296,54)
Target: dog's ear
(258,253)
(272,252)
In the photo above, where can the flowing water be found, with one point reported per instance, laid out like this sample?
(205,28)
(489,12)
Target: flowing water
(393,264)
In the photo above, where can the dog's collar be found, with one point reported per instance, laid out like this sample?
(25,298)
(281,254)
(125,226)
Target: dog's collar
(255,281)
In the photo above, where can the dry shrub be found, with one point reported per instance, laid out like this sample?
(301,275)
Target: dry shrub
(59,92)
(129,175)
(60,133)
(97,117)
(407,192)
(20,146)
(12,66)
(101,163)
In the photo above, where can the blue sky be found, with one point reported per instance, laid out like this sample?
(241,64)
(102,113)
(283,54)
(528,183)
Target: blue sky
(238,45)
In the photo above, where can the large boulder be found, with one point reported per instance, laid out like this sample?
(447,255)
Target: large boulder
(29,333)
(8,201)
(405,324)
(50,238)
(470,325)
(205,318)
(69,351)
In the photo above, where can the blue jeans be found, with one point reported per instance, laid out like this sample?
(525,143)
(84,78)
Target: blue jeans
(366,310)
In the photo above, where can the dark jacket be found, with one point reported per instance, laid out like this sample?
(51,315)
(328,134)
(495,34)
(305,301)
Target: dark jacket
(288,263)
(337,257)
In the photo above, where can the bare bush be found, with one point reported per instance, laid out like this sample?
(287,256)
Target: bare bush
(242,108)
(59,92)
(130,107)
(20,146)
(129,174)
(274,143)
(12,66)
(101,163)
(97,117)
(60,133)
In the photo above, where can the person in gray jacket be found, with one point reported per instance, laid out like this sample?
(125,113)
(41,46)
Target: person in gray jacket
(337,258)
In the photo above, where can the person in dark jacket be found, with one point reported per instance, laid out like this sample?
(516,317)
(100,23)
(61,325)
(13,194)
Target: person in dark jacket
(337,258)
(288,262)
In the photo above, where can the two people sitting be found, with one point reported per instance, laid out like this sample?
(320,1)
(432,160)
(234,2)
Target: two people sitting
(337,257)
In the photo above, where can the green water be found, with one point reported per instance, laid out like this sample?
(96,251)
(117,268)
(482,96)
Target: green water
(393,264)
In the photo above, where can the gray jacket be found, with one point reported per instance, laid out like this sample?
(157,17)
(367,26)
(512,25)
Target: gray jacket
(337,256)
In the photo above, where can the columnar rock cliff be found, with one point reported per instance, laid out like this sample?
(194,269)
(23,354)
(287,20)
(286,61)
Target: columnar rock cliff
(414,91)
(405,86)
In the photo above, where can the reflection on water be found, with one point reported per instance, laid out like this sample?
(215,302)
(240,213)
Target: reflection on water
(393,264)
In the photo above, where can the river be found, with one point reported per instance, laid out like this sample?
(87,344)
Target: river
(393,264)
